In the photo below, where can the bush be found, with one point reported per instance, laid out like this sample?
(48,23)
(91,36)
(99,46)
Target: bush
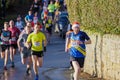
(101,16)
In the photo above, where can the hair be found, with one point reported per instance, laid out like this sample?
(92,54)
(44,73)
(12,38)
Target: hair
(6,23)
(27,26)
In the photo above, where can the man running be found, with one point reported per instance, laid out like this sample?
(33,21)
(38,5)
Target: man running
(77,40)
(5,37)
(13,42)
(25,53)
(37,39)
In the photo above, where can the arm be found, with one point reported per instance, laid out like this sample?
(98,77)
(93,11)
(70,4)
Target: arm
(18,42)
(26,19)
(44,43)
(67,44)
(28,42)
(87,42)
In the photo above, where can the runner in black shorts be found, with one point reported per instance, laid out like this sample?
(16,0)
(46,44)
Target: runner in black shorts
(79,60)
(5,37)
(37,39)
(24,51)
(37,53)
(13,42)
(77,40)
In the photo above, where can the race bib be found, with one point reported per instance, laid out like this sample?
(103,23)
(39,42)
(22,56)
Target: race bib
(74,44)
(6,39)
(36,43)
(13,39)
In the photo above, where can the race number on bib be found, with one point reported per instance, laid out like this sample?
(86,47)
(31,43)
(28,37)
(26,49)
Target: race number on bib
(74,44)
(37,43)
(6,39)
(13,39)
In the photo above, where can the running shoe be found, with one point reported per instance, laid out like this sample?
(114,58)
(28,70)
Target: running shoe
(36,78)
(28,71)
(13,65)
(5,68)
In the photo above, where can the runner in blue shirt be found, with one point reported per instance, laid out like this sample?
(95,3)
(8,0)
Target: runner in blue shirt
(75,43)
(29,17)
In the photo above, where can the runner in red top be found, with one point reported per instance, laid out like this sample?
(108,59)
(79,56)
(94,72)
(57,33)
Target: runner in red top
(13,42)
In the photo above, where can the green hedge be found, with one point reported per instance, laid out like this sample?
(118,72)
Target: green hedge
(101,16)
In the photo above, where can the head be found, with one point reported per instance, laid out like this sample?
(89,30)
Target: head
(35,14)
(76,27)
(6,25)
(35,1)
(30,12)
(36,28)
(28,29)
(44,3)
(51,2)
(29,24)
(57,0)
(11,23)
(18,18)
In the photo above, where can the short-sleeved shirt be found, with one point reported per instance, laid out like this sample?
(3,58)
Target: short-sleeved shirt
(36,40)
(78,50)
(22,40)
(29,18)
(14,34)
(5,37)
(51,7)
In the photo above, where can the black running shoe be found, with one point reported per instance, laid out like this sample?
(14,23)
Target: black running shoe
(13,65)
(5,68)
(28,71)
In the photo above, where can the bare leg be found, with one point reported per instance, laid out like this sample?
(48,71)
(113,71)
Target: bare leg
(2,55)
(76,69)
(6,57)
(40,62)
(11,54)
(34,59)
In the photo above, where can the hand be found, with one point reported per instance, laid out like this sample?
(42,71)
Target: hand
(19,48)
(66,49)
(79,42)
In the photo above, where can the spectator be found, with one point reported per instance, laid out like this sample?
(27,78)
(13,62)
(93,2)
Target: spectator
(19,24)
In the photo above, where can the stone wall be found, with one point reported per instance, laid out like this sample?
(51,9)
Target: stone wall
(103,57)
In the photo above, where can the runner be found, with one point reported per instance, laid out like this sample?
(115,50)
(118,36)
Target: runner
(19,23)
(5,37)
(29,17)
(35,6)
(48,26)
(37,39)
(13,42)
(25,53)
(77,40)
(51,9)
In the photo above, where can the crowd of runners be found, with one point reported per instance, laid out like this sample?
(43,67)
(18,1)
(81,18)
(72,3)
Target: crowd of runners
(30,37)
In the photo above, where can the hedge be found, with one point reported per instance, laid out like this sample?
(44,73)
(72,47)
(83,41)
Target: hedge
(101,16)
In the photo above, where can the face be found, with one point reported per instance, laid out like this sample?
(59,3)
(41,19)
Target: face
(6,26)
(28,29)
(36,0)
(11,23)
(36,14)
(36,28)
(51,2)
(30,12)
(76,29)
(29,24)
